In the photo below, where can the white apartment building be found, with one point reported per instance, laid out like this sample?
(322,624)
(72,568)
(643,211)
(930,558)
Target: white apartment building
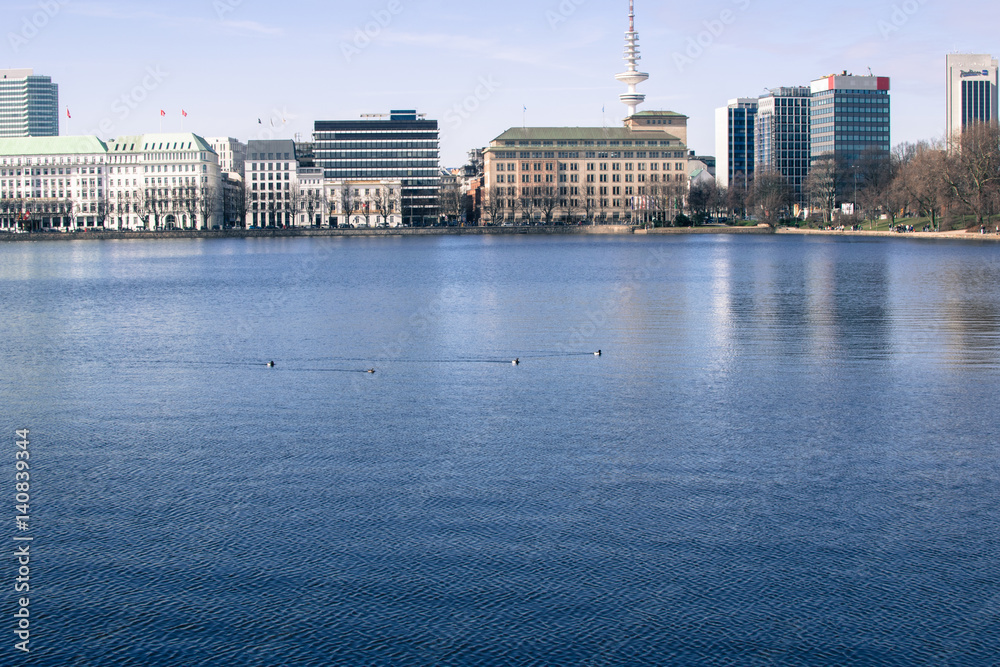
(366,203)
(163,181)
(272,183)
(52,183)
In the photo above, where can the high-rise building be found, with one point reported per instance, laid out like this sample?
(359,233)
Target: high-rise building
(972,92)
(850,115)
(734,141)
(401,146)
(29,104)
(782,135)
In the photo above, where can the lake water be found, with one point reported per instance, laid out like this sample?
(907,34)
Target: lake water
(787,453)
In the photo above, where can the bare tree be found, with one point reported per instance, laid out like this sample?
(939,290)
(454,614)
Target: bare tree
(385,202)
(770,196)
(450,201)
(207,201)
(493,203)
(737,195)
(823,184)
(921,179)
(876,171)
(141,208)
(349,201)
(702,198)
(103,208)
(972,170)
(189,204)
(548,203)
(526,204)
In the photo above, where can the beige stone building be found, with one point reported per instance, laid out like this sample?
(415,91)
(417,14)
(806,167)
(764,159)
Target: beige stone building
(636,174)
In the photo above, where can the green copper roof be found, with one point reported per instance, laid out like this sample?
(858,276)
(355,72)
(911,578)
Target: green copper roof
(556,134)
(83,145)
(159,142)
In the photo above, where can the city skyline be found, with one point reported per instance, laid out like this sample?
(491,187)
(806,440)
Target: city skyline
(558,59)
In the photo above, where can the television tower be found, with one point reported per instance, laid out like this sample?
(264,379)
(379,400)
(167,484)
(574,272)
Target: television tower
(633,76)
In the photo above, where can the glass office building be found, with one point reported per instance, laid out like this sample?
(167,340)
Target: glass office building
(850,115)
(401,146)
(734,141)
(782,135)
(972,91)
(29,104)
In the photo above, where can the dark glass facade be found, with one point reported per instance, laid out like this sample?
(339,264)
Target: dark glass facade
(742,121)
(404,148)
(849,122)
(977,102)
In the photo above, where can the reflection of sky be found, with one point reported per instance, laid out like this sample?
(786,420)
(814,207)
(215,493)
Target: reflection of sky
(945,304)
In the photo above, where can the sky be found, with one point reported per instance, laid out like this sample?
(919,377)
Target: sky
(473,66)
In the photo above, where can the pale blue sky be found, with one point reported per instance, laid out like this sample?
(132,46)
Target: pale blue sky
(471,65)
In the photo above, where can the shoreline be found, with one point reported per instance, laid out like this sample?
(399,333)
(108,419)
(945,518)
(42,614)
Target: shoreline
(569,230)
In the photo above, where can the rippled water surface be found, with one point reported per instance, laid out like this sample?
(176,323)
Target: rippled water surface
(787,453)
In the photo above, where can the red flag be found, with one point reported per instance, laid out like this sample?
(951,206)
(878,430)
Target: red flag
(162,112)
(67,113)
(184,113)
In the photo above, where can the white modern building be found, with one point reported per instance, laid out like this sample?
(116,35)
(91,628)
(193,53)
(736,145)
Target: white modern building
(53,183)
(29,104)
(272,183)
(971,92)
(163,181)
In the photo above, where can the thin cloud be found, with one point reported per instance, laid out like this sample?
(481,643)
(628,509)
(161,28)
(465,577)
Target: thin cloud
(254,27)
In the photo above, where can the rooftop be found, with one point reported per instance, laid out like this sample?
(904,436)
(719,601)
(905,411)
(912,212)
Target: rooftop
(84,144)
(585,134)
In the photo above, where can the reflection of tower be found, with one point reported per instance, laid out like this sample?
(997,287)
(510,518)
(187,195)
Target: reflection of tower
(633,76)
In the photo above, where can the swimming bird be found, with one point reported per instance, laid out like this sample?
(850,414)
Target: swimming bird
(516,362)
(270,364)
(371,371)
(597,354)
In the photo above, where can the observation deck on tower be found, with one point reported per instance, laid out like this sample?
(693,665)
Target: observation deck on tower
(632,77)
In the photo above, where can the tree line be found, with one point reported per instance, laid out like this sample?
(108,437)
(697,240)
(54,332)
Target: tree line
(927,179)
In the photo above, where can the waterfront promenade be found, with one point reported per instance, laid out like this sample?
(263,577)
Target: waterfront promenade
(540,230)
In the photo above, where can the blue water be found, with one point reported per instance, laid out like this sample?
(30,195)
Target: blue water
(787,453)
